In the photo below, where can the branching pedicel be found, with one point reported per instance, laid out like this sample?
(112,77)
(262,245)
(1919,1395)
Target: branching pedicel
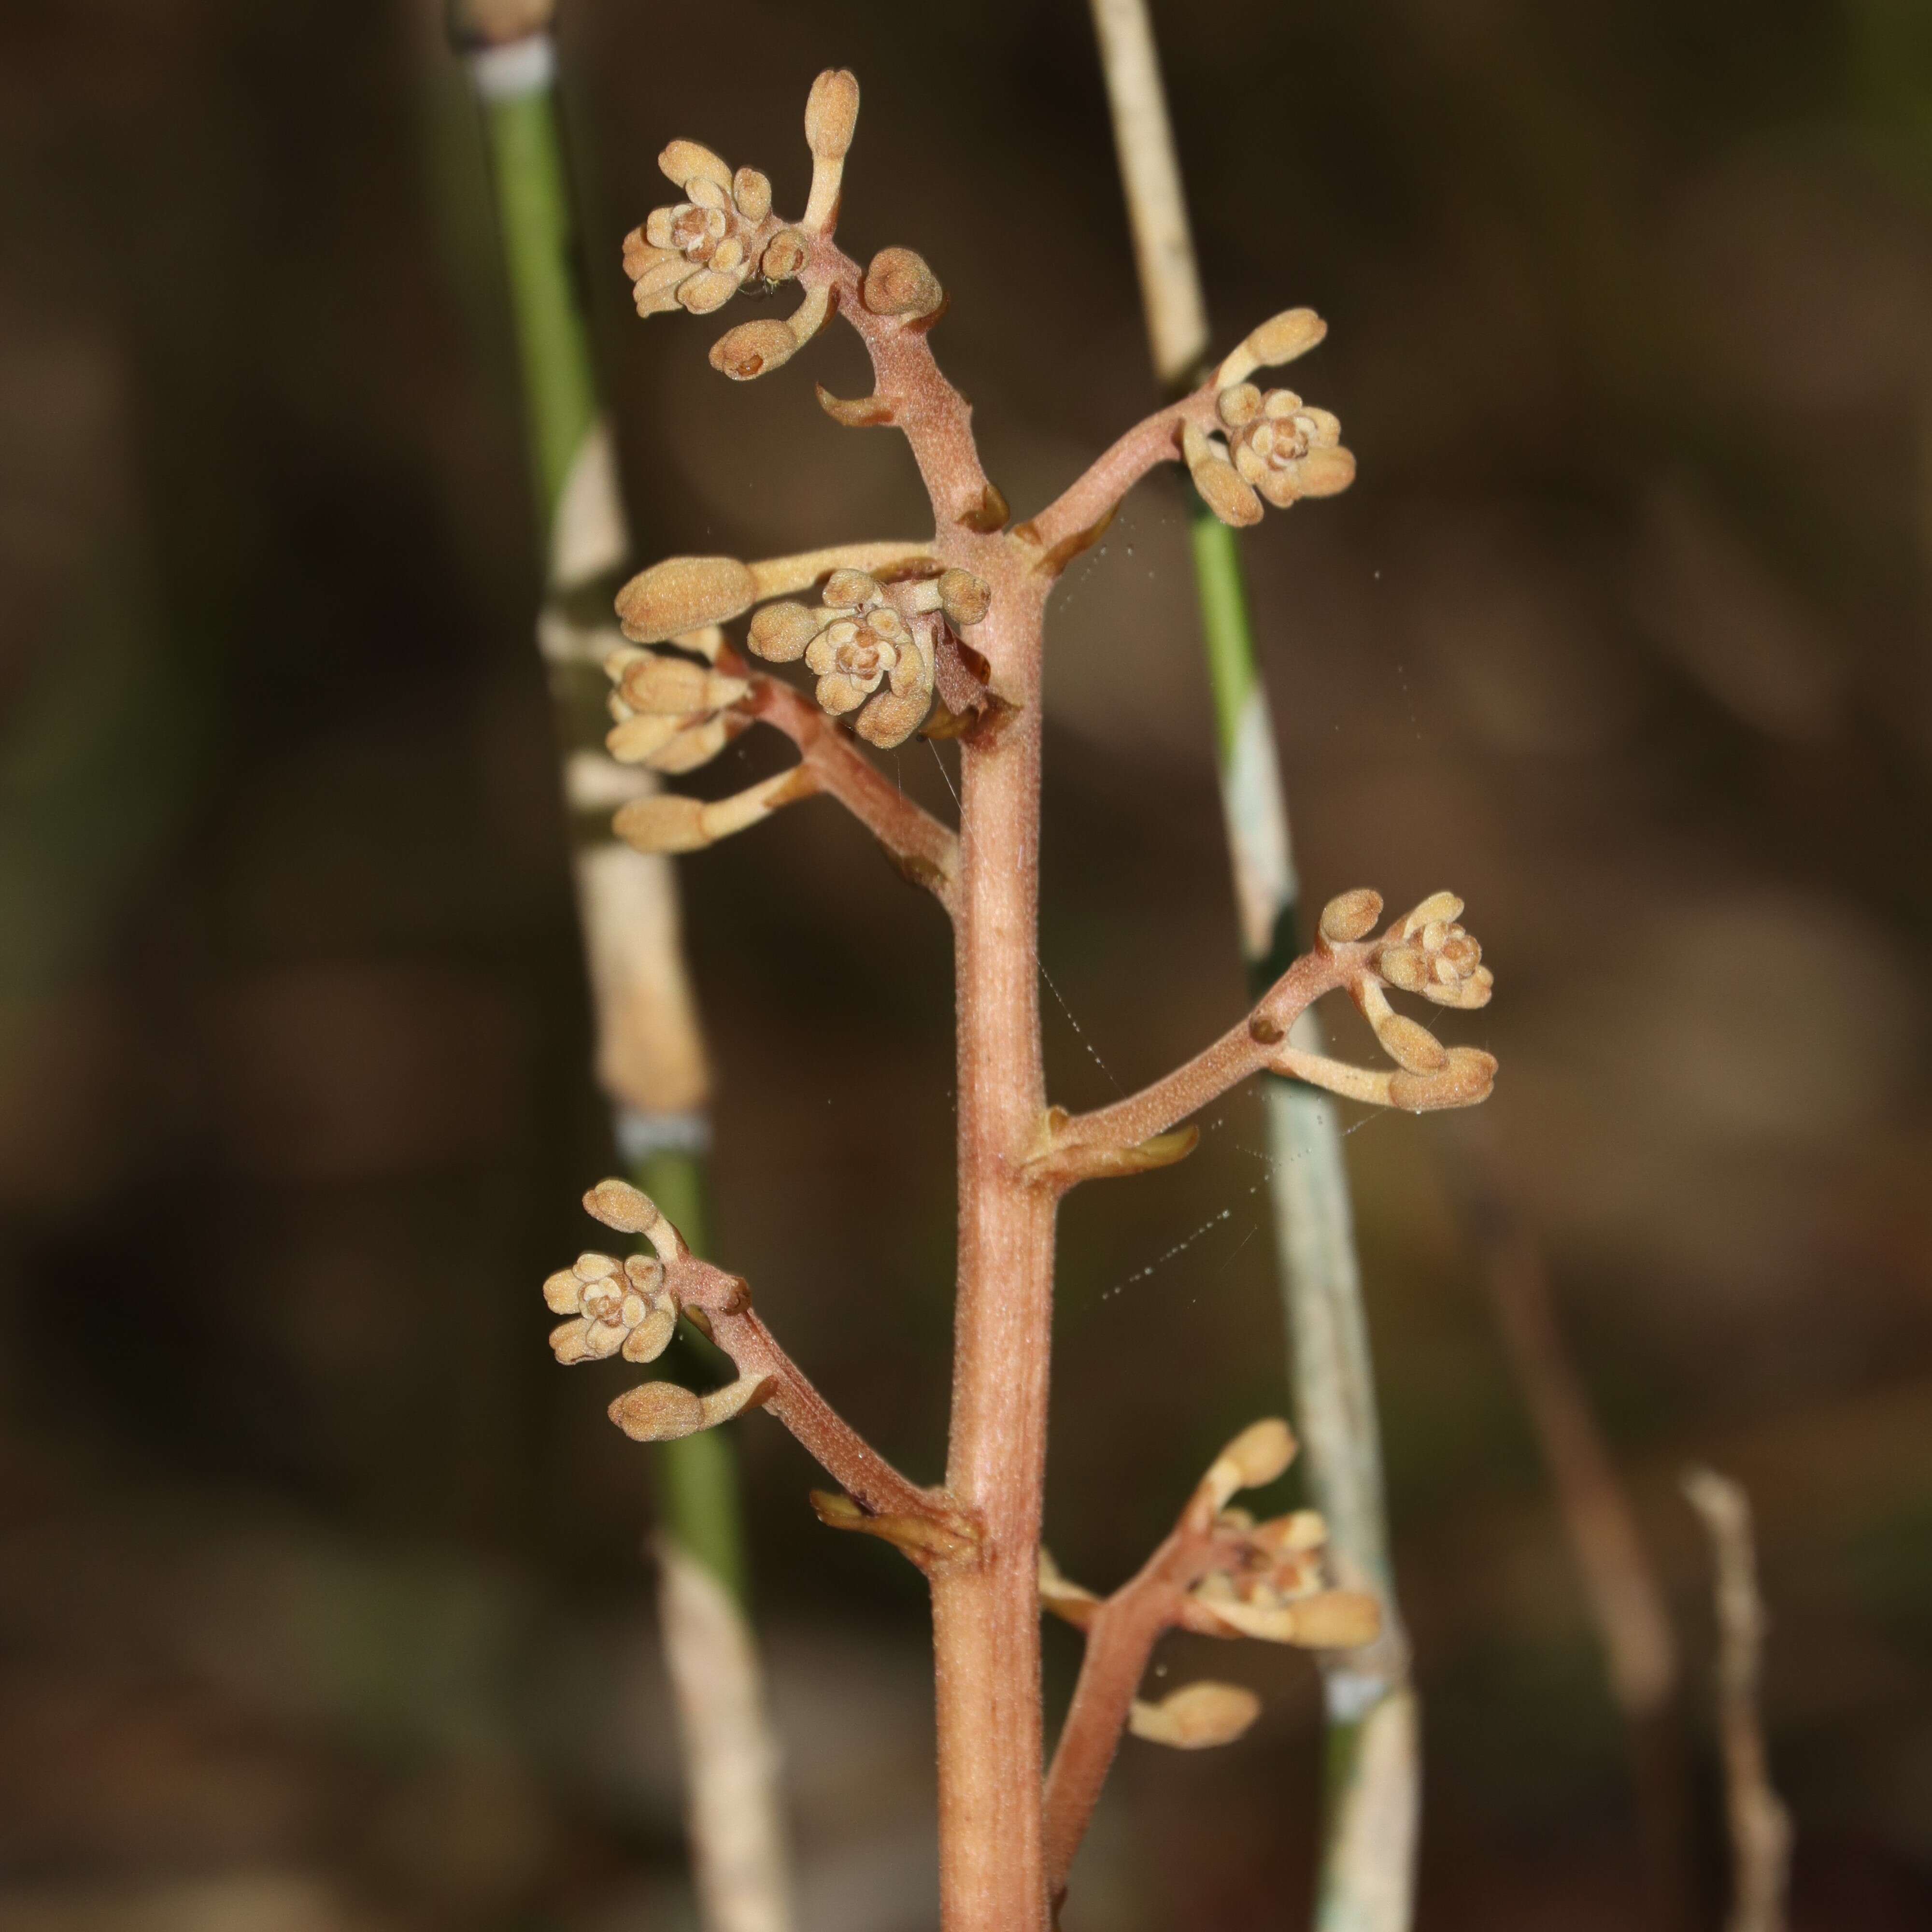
(944,634)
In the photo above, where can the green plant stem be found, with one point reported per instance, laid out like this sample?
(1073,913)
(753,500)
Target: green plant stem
(650,1055)
(1373,1781)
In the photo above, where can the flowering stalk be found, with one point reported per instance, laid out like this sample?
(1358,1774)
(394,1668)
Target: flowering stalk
(650,1053)
(946,635)
(1372,1765)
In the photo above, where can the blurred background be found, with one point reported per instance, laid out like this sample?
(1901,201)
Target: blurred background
(322,1589)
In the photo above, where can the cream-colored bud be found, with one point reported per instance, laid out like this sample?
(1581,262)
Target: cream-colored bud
(682,594)
(1351,915)
(832,114)
(1222,490)
(893,717)
(1412,1047)
(753,349)
(780,632)
(619,1205)
(671,824)
(899,282)
(850,590)
(675,686)
(1280,339)
(1293,1534)
(651,1336)
(684,162)
(667,823)
(1439,908)
(1196,1717)
(1406,966)
(696,744)
(784,256)
(964,597)
(1257,1455)
(562,1292)
(657,1412)
(752,192)
(709,289)
(1336,1620)
(1241,404)
(1464,1080)
(637,739)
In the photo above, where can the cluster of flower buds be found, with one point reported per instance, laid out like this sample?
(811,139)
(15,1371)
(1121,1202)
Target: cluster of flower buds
(1249,1578)
(630,1308)
(1277,446)
(698,253)
(1268,1581)
(864,635)
(670,713)
(1426,952)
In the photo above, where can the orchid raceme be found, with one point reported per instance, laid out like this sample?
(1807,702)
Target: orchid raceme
(944,634)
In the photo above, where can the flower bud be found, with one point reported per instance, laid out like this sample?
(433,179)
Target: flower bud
(685,163)
(752,192)
(1257,1455)
(657,1412)
(683,593)
(1280,339)
(964,597)
(619,1205)
(753,349)
(832,114)
(1196,1717)
(898,282)
(780,632)
(784,256)
(1351,915)
(675,687)
(1464,1080)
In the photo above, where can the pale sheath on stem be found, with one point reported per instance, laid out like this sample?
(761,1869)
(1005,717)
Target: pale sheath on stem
(945,635)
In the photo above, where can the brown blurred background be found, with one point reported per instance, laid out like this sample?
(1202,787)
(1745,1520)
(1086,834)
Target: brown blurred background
(320,1586)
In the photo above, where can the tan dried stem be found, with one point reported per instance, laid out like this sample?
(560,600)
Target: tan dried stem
(1760,1825)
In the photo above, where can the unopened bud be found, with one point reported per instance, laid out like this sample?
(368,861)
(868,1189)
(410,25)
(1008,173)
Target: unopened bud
(850,590)
(832,113)
(637,739)
(1412,1047)
(1221,487)
(1280,339)
(675,687)
(1439,909)
(752,192)
(1257,1455)
(619,1205)
(964,597)
(657,1412)
(683,593)
(898,282)
(695,745)
(1351,915)
(1196,1717)
(780,632)
(684,162)
(753,349)
(1465,1080)
(784,256)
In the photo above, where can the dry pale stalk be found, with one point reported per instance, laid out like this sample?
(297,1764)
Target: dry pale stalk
(1759,1825)
(946,636)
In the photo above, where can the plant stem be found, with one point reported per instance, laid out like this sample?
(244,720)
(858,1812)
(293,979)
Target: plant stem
(986,1615)
(1372,1779)
(650,1054)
